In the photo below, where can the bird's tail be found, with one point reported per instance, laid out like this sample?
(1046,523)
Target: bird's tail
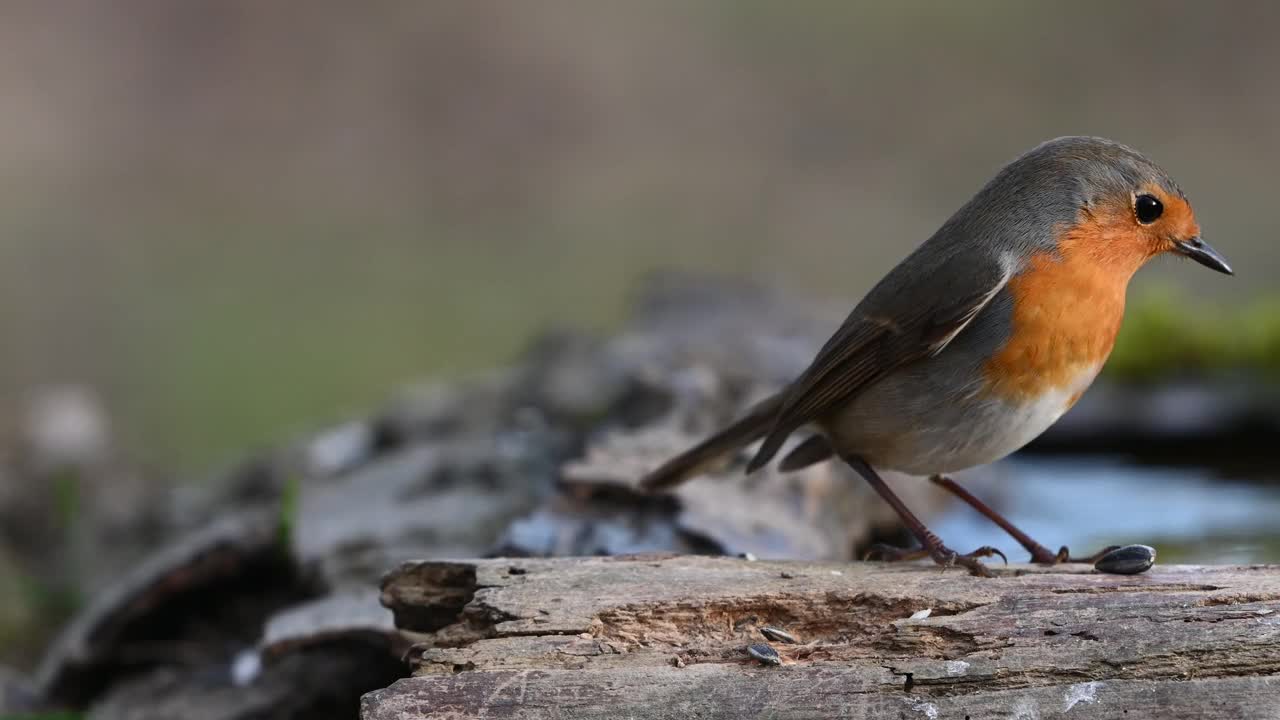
(699,458)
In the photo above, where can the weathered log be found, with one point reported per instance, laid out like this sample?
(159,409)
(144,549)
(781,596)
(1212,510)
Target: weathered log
(646,637)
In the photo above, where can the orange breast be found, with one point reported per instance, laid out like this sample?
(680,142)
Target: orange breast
(1067,310)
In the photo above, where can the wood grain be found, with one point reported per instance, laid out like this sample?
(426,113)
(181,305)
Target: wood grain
(666,638)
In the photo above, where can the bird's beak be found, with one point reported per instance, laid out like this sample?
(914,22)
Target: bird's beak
(1203,253)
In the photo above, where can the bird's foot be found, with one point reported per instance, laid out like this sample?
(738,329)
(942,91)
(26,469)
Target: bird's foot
(1041,555)
(941,555)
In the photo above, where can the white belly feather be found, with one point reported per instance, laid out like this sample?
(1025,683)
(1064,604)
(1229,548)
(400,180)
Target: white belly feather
(893,429)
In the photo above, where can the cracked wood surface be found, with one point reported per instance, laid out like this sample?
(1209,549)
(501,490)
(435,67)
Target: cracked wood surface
(666,638)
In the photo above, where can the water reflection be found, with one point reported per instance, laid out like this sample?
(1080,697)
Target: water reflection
(1190,515)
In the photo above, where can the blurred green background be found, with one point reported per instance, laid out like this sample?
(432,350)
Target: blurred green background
(236,219)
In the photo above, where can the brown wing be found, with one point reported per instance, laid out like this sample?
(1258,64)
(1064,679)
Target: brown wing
(893,326)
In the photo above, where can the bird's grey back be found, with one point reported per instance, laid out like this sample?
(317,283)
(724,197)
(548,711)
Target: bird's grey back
(1020,212)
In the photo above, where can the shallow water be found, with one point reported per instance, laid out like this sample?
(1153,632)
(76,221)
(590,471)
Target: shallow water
(1189,514)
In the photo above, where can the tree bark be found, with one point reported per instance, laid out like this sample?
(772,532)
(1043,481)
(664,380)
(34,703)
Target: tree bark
(666,638)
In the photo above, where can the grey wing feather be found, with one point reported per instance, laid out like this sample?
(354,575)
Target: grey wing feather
(912,314)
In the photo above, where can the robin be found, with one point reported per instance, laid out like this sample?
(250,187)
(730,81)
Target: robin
(982,337)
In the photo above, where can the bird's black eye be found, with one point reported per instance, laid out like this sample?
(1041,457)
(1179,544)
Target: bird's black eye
(1147,208)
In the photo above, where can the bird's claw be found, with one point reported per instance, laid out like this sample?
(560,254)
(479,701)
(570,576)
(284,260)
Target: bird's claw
(944,557)
(988,551)
(1064,556)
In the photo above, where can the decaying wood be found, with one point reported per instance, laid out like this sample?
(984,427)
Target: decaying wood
(646,637)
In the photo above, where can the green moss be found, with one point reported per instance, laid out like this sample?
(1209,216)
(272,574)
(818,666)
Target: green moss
(30,611)
(1165,334)
(66,489)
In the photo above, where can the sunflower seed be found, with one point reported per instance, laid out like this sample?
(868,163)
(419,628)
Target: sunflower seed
(776,635)
(1127,560)
(764,653)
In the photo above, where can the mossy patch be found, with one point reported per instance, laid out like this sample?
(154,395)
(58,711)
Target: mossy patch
(1166,334)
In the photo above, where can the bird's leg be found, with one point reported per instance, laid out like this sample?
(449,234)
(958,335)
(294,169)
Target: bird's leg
(1039,553)
(933,547)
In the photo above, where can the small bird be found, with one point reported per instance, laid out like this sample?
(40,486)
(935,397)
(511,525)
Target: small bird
(981,338)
